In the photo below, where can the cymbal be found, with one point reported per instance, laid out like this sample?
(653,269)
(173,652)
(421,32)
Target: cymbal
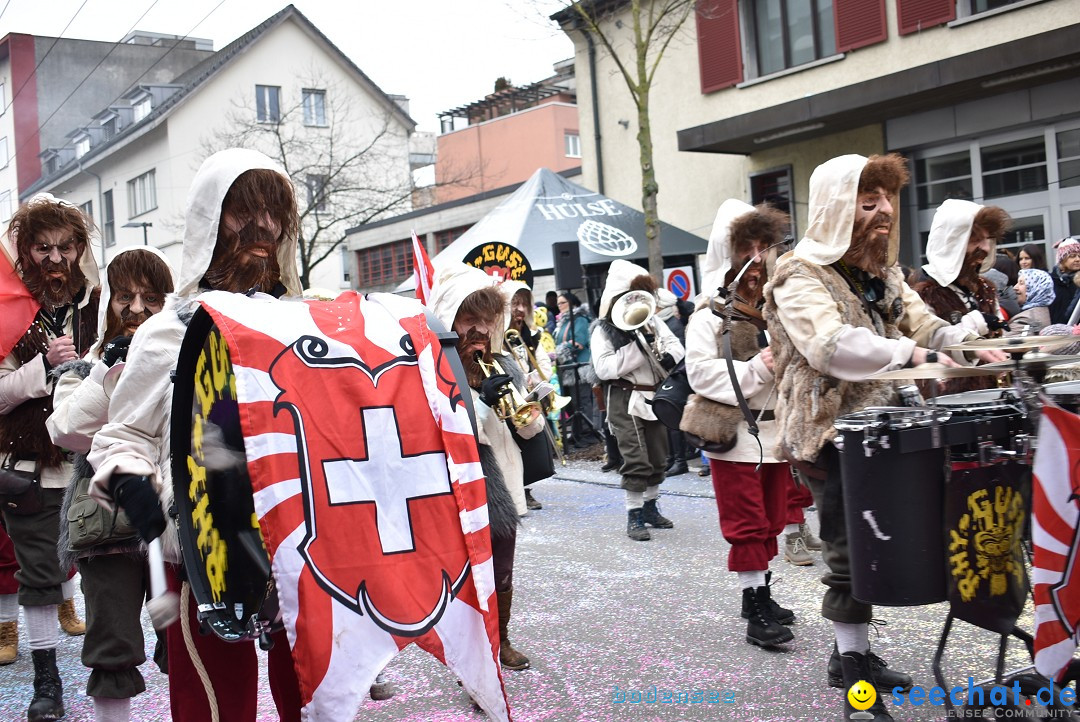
(1033,359)
(1012,343)
(935,371)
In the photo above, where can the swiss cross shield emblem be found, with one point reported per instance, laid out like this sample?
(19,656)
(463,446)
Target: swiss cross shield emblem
(373,475)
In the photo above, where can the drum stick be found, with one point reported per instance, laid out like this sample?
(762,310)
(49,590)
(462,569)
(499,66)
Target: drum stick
(164,606)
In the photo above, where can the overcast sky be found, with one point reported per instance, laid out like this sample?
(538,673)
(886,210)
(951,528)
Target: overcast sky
(439,53)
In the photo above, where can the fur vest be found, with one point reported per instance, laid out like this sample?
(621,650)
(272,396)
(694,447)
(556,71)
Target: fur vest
(712,420)
(809,401)
(22,430)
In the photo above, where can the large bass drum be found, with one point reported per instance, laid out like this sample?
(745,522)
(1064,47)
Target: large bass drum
(224,557)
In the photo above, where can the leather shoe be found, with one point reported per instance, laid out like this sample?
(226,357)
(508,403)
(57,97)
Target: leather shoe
(885,679)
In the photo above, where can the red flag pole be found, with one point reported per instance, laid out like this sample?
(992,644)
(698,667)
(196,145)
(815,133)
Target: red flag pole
(423,271)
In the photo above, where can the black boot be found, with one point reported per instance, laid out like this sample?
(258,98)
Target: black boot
(635,526)
(676,468)
(530,502)
(885,679)
(650,514)
(855,668)
(762,628)
(783,615)
(48,702)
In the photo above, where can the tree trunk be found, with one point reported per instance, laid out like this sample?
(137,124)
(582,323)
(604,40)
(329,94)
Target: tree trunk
(649,189)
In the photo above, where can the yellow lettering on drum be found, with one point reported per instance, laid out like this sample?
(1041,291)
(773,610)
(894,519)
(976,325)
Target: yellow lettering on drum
(217,561)
(204,390)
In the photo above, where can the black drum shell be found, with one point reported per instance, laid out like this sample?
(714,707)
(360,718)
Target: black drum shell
(904,495)
(1065,394)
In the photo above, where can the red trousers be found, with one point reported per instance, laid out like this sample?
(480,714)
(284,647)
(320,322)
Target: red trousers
(753,507)
(233,668)
(799,497)
(8,565)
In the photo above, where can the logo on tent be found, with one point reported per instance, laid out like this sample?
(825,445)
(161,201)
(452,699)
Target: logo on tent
(604,239)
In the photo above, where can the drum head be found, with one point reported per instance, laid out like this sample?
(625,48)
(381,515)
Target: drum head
(224,557)
(980,401)
(891,417)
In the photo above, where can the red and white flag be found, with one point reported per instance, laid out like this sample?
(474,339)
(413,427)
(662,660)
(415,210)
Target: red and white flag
(423,271)
(1055,515)
(17,307)
(368,490)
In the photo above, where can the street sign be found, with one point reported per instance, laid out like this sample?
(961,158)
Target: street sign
(680,282)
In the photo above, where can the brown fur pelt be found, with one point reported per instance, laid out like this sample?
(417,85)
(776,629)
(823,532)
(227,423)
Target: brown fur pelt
(712,420)
(644,282)
(766,224)
(888,172)
(22,430)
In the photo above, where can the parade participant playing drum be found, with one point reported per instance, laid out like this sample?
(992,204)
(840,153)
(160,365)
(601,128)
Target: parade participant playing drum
(240,236)
(838,310)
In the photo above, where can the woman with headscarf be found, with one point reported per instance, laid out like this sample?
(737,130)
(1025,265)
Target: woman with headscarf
(1035,294)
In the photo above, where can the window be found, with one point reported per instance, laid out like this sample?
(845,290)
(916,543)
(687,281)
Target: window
(82,146)
(1068,151)
(943,177)
(314,102)
(3,152)
(5,205)
(774,187)
(316,189)
(345,274)
(787,33)
(142,194)
(982,6)
(108,224)
(1013,168)
(88,210)
(1026,229)
(572,141)
(445,238)
(3,98)
(141,109)
(267,108)
(389,263)
(110,127)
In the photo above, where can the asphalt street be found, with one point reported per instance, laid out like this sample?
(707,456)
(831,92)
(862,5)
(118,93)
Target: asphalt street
(602,616)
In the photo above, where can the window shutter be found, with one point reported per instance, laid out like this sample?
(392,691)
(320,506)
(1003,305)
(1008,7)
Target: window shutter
(915,15)
(859,23)
(719,49)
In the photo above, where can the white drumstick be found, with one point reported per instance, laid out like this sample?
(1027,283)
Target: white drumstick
(164,606)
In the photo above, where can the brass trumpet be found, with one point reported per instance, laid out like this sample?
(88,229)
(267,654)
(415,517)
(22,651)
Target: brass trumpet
(526,360)
(511,405)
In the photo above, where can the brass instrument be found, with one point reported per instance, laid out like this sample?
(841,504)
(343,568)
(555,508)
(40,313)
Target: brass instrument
(511,406)
(527,361)
(630,312)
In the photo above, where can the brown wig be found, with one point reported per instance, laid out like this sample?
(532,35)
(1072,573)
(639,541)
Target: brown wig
(888,172)
(36,216)
(259,191)
(644,282)
(995,221)
(134,269)
(485,303)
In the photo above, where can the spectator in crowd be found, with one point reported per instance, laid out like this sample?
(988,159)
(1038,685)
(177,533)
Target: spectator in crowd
(1064,277)
(573,358)
(1032,256)
(1035,293)
(1004,275)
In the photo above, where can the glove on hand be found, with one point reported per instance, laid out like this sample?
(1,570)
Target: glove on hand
(668,362)
(136,496)
(116,350)
(494,388)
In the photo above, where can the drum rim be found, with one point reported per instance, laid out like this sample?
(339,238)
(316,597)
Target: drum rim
(911,416)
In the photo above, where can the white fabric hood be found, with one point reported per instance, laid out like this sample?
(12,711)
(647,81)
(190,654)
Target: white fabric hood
(718,255)
(453,283)
(106,291)
(834,190)
(947,245)
(203,214)
(619,276)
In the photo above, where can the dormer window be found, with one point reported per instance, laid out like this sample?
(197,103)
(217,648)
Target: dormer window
(142,108)
(82,146)
(110,127)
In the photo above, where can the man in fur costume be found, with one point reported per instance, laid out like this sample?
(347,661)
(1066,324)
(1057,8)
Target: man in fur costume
(963,245)
(752,500)
(467,300)
(630,366)
(50,242)
(838,310)
(114,572)
(240,235)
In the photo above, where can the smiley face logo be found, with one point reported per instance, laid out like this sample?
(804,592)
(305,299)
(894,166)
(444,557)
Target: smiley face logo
(862,695)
